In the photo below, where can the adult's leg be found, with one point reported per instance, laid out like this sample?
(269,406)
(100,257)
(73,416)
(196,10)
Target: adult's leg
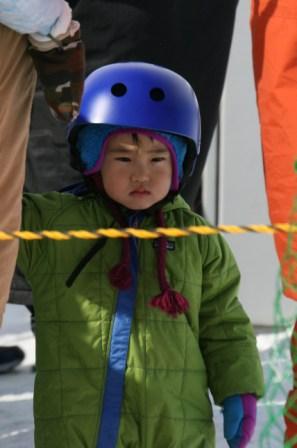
(17,84)
(205,34)
(274,36)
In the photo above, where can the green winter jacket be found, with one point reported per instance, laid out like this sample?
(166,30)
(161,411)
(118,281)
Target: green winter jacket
(171,362)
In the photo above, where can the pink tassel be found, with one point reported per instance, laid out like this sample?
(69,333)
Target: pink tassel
(120,276)
(171,302)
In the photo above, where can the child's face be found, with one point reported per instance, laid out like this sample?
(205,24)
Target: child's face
(136,170)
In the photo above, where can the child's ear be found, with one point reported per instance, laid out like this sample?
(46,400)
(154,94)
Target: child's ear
(96,180)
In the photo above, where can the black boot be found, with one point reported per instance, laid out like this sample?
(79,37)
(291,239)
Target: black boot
(10,358)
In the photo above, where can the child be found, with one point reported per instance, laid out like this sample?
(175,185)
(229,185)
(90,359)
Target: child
(132,333)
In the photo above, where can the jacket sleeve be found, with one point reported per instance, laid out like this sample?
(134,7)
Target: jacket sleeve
(61,71)
(32,16)
(226,337)
(29,250)
(37,213)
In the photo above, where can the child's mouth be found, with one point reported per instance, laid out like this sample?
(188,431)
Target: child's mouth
(139,193)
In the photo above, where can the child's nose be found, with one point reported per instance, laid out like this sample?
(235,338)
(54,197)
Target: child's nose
(140,173)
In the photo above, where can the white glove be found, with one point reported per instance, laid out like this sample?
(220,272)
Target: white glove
(35,16)
(60,28)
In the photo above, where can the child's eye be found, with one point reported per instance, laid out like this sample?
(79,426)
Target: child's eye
(123,159)
(158,159)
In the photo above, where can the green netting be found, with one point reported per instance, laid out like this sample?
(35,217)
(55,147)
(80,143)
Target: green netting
(277,363)
(278,378)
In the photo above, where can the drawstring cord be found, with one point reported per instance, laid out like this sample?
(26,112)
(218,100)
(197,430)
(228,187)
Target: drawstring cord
(169,301)
(84,261)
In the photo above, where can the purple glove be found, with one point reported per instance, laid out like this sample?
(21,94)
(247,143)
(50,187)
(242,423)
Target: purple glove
(240,413)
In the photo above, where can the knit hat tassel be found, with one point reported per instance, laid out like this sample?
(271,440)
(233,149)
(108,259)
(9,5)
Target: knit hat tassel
(120,275)
(169,301)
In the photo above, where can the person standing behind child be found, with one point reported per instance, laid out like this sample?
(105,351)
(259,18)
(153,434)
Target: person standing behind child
(30,33)
(130,334)
(37,19)
(274,40)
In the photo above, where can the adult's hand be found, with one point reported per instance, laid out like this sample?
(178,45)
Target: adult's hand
(36,16)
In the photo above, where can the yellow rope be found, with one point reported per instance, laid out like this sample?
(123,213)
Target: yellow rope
(145,233)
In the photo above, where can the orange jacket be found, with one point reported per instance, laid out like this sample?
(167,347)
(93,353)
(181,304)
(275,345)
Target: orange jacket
(274,39)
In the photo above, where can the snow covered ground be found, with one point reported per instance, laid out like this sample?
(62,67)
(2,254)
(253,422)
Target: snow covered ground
(16,389)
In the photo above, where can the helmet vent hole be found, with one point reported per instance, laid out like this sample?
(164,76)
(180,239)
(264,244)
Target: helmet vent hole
(119,89)
(157,94)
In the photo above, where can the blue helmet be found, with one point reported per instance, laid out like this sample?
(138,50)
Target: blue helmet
(140,95)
